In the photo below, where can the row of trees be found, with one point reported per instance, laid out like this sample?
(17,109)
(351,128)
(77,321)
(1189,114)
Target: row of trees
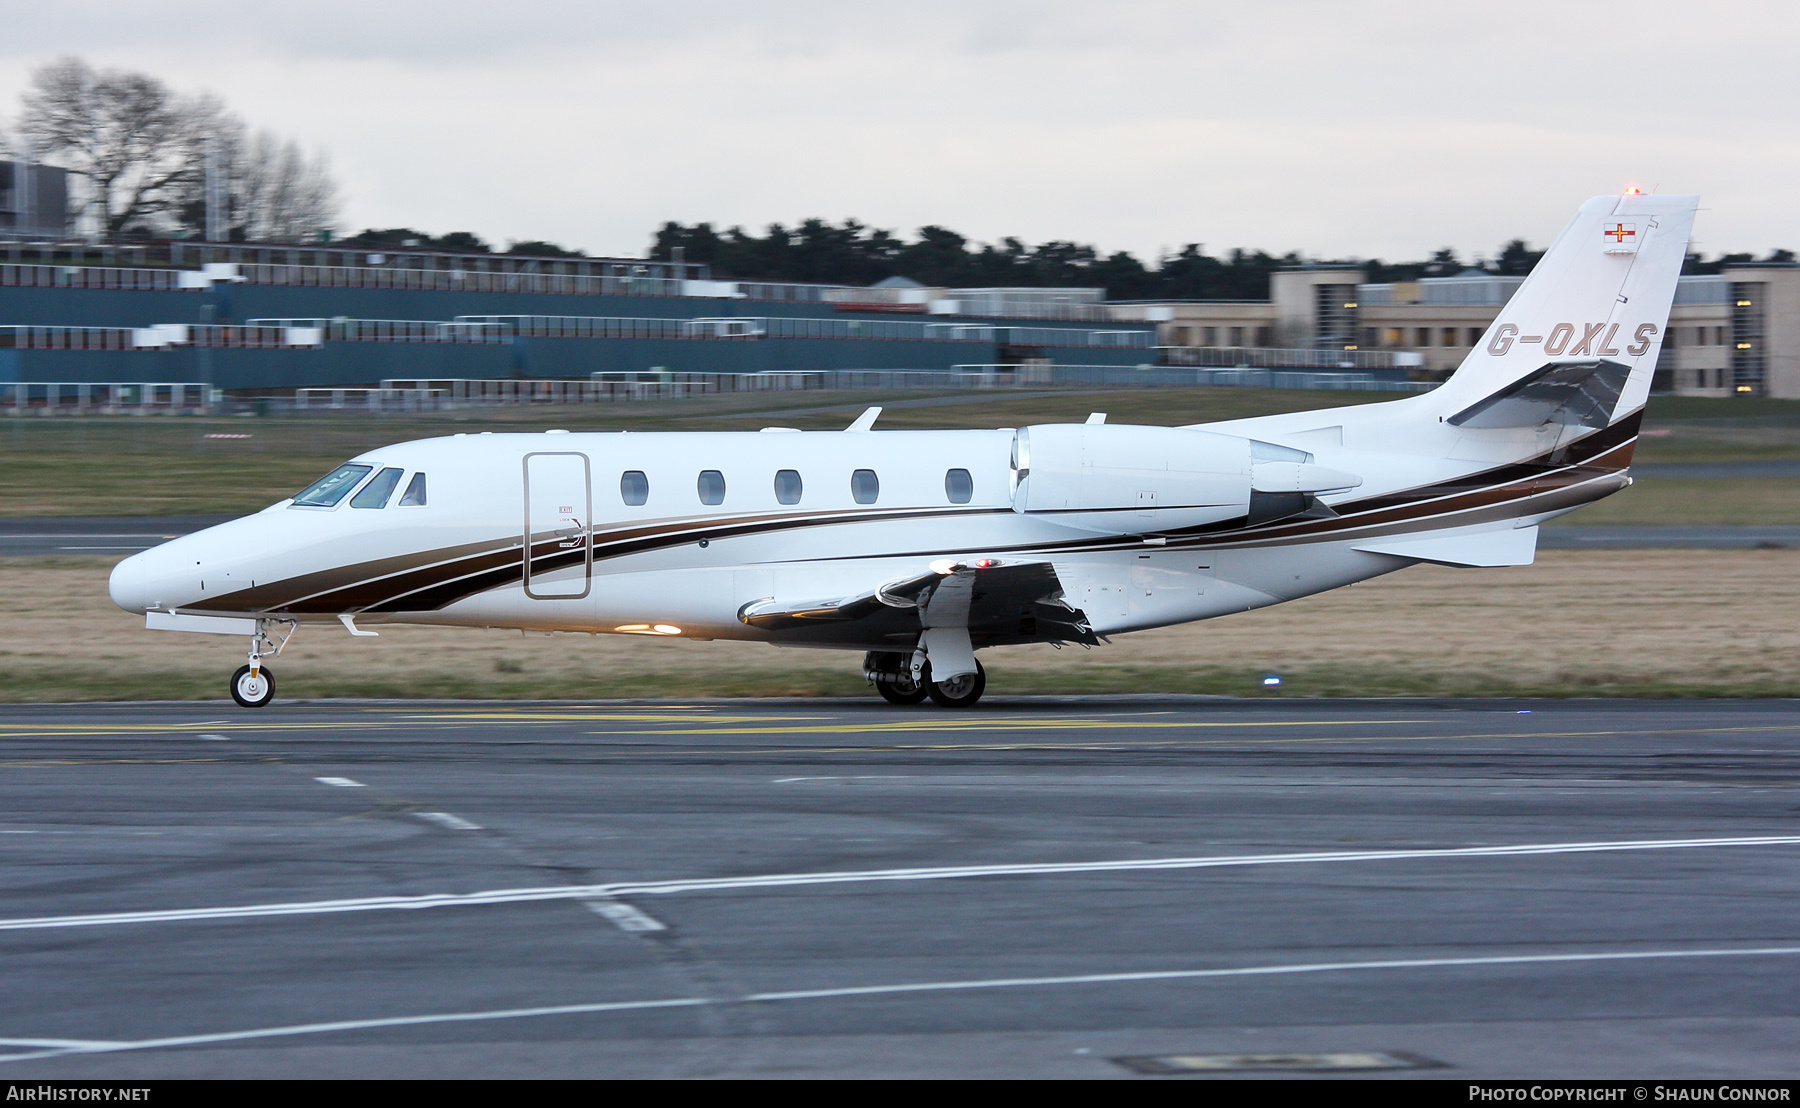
(855,254)
(139,151)
(458,242)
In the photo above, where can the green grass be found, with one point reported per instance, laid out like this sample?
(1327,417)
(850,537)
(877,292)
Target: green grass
(127,465)
(1695,500)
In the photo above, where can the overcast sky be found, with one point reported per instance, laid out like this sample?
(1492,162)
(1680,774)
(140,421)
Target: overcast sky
(1379,128)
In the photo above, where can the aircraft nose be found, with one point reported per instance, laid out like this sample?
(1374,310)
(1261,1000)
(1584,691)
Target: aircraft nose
(130,584)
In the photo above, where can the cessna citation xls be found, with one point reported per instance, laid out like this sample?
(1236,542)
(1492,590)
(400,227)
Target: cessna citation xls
(921,547)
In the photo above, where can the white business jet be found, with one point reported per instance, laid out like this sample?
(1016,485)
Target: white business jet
(921,547)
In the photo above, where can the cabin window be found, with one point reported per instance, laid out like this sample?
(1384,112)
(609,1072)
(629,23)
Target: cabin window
(414,496)
(712,487)
(865,487)
(376,493)
(331,488)
(787,486)
(959,486)
(634,487)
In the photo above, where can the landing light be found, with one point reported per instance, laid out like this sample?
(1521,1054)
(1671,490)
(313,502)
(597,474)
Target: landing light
(1271,680)
(666,629)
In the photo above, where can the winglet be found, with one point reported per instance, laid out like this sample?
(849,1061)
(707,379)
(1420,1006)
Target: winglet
(866,421)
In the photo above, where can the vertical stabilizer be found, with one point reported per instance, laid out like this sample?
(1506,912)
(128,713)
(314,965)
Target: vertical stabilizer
(1594,310)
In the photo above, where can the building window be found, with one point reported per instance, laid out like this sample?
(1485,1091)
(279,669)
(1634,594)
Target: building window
(1265,336)
(1449,336)
(1371,336)
(1474,336)
(959,487)
(787,486)
(865,487)
(634,487)
(1237,336)
(711,486)
(1182,335)
(1396,336)
(1423,335)
(1209,336)
(1718,336)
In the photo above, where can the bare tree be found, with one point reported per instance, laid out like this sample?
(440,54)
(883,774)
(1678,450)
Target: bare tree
(133,142)
(140,150)
(273,191)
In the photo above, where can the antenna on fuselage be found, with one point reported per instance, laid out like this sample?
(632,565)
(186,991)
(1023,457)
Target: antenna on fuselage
(866,421)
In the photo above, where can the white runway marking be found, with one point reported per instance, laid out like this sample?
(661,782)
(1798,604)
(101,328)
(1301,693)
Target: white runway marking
(1290,969)
(65,1044)
(445,819)
(933,873)
(215,738)
(340,782)
(624,916)
(858,777)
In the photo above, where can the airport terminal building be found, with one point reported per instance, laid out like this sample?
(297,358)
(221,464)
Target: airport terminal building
(1733,333)
(80,320)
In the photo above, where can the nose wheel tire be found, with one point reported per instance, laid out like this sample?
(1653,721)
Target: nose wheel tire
(901,691)
(961,691)
(252,692)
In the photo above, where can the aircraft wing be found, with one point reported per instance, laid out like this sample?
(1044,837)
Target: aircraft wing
(998,602)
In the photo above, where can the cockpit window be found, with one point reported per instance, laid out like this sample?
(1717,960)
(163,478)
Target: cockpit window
(414,496)
(331,488)
(376,493)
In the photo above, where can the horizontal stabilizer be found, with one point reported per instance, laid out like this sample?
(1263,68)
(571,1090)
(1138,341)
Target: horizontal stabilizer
(1510,546)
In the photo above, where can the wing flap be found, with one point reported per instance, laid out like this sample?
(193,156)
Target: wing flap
(1010,602)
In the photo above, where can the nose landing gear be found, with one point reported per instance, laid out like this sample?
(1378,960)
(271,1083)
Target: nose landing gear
(253,688)
(253,685)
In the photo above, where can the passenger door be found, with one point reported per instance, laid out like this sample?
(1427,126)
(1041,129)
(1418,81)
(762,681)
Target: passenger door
(559,553)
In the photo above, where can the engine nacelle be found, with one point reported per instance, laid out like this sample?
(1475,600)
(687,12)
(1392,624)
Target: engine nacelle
(1134,480)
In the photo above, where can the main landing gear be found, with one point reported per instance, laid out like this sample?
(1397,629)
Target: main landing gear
(253,685)
(899,683)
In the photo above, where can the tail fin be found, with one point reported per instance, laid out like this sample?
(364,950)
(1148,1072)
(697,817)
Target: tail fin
(1583,332)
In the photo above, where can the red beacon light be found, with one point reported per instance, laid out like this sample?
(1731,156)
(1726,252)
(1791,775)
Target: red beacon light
(1634,191)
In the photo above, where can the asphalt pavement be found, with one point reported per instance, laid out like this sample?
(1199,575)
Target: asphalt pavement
(1056,887)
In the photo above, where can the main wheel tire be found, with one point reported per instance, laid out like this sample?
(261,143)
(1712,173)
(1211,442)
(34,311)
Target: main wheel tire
(253,692)
(961,691)
(896,693)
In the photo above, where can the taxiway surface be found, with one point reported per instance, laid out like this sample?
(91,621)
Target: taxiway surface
(1037,887)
